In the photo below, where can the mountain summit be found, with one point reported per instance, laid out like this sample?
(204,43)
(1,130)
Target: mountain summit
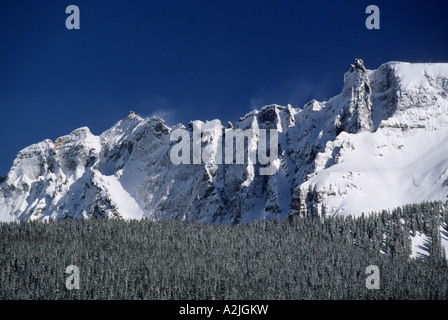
(382,142)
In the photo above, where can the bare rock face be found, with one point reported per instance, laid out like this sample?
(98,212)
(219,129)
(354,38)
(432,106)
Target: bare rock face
(357,115)
(380,143)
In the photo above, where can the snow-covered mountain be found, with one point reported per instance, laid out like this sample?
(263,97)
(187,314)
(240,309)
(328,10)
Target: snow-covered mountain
(382,142)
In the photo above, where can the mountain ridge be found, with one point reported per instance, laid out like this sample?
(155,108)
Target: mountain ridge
(356,152)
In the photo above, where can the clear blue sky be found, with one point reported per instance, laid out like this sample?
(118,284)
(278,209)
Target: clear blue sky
(190,59)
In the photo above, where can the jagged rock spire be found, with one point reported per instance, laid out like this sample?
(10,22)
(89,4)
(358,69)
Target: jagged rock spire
(356,101)
(359,65)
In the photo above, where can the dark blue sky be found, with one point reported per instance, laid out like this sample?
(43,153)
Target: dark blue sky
(190,59)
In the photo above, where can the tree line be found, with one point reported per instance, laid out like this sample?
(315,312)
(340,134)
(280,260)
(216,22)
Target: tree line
(296,258)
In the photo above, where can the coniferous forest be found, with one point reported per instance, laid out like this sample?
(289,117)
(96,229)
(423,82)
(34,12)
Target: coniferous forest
(298,258)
